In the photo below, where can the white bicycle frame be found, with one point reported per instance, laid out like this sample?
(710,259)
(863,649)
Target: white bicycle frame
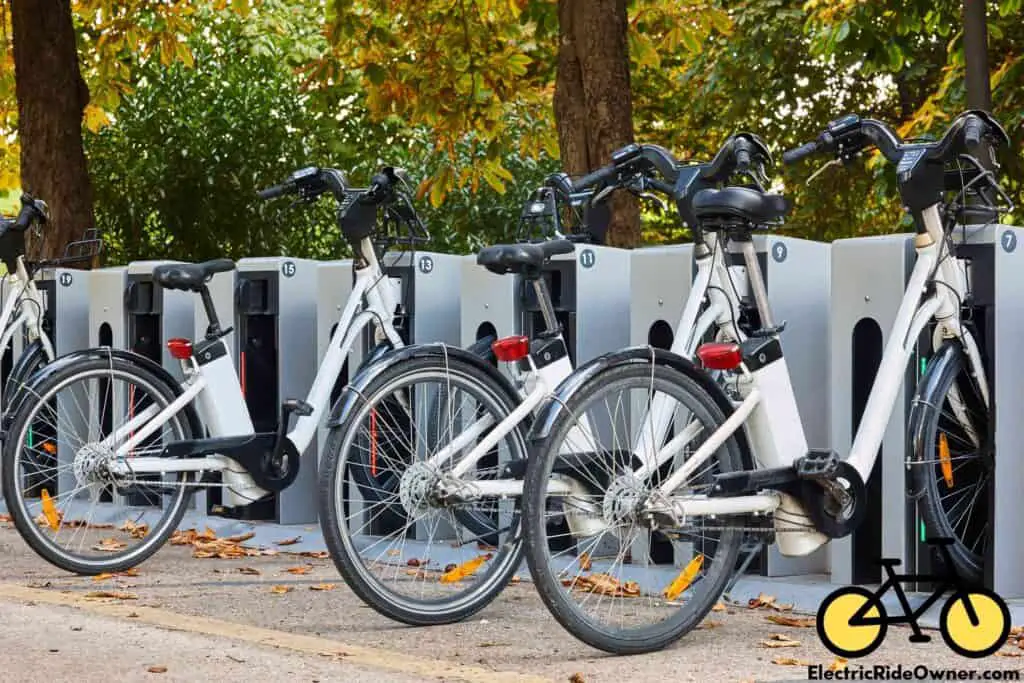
(22,310)
(722,310)
(221,406)
(773,422)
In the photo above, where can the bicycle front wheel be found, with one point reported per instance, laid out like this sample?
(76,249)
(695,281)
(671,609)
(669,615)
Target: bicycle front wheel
(613,575)
(953,466)
(416,543)
(67,501)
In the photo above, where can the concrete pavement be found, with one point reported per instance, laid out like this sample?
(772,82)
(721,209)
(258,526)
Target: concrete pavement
(196,617)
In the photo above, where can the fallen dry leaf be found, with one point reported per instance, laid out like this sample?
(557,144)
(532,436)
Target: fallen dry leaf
(464,570)
(108,575)
(603,584)
(585,563)
(480,545)
(1009,653)
(780,640)
(111,594)
(280,590)
(251,571)
(394,553)
(289,541)
(240,538)
(413,562)
(301,569)
(781,607)
(761,600)
(838,664)
(110,545)
(790,661)
(1017,631)
(709,624)
(134,530)
(51,516)
(323,587)
(157,669)
(5,518)
(719,607)
(317,554)
(577,678)
(515,579)
(796,622)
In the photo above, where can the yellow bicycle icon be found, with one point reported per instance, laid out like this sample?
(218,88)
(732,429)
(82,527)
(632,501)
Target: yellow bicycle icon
(974,621)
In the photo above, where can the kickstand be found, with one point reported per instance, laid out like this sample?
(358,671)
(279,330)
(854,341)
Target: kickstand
(752,546)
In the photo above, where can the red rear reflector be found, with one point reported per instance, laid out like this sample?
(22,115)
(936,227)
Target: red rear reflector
(720,355)
(180,348)
(511,348)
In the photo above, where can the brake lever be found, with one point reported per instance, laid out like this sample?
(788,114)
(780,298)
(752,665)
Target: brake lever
(605,191)
(833,162)
(654,198)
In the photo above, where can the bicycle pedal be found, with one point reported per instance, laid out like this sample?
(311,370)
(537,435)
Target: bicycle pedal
(817,465)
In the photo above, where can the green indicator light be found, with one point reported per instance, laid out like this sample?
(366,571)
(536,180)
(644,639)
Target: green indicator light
(924,364)
(923,535)
(30,437)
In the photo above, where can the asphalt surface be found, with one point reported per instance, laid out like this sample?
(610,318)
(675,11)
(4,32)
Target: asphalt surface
(193,619)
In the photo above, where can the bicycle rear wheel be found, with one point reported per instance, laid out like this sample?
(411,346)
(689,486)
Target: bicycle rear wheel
(608,573)
(64,498)
(953,459)
(405,548)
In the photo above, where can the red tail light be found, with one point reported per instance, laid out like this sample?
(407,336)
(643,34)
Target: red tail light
(511,348)
(720,356)
(180,348)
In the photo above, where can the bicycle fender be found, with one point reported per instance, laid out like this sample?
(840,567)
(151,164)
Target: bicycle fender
(549,410)
(948,353)
(356,390)
(106,353)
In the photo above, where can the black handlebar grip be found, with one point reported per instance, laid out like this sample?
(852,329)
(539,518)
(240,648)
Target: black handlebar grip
(591,179)
(274,192)
(29,214)
(795,155)
(973,130)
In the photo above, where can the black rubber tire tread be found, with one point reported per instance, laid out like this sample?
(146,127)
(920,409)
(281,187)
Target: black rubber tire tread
(8,471)
(968,564)
(549,587)
(331,518)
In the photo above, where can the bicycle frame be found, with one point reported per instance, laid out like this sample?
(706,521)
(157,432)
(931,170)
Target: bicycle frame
(769,407)
(221,405)
(910,616)
(22,290)
(713,278)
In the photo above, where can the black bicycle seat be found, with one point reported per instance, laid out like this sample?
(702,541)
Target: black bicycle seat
(744,203)
(521,258)
(190,277)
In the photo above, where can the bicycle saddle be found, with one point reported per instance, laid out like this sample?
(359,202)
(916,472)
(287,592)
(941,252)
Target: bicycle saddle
(521,258)
(739,202)
(190,277)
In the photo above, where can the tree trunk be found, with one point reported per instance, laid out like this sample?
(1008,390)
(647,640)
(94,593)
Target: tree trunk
(51,99)
(593,101)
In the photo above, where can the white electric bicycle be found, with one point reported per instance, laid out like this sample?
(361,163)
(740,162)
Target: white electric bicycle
(736,456)
(105,449)
(423,472)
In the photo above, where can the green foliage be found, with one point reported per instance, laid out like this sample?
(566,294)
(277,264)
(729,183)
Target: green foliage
(176,172)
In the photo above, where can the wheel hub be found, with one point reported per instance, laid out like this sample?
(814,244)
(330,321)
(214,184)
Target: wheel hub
(417,487)
(90,465)
(623,500)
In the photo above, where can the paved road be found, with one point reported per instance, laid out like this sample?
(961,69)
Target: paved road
(202,619)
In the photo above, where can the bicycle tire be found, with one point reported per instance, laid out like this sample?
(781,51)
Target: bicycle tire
(45,387)
(339,457)
(543,458)
(29,362)
(947,367)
